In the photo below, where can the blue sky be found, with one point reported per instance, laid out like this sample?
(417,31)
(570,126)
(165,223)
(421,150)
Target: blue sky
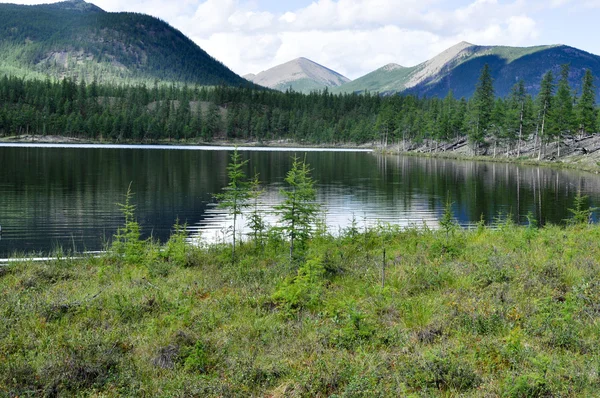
(355,37)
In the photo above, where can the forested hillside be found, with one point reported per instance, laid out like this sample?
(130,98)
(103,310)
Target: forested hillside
(79,40)
(457,68)
(142,114)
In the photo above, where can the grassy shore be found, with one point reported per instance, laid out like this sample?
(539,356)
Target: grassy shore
(511,312)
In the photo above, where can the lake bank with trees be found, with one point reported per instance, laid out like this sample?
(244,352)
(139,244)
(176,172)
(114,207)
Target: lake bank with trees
(553,126)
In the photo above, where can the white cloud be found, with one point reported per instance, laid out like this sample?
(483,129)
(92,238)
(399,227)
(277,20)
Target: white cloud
(353,37)
(250,20)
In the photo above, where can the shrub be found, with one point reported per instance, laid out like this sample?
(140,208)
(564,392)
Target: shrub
(176,250)
(127,244)
(444,373)
(527,386)
(305,288)
(197,359)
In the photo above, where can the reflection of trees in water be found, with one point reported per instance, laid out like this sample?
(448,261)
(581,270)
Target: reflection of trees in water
(73,192)
(490,188)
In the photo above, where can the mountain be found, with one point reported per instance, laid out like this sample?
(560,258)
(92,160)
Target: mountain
(459,67)
(78,39)
(302,75)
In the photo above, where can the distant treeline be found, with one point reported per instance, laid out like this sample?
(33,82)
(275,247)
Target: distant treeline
(145,114)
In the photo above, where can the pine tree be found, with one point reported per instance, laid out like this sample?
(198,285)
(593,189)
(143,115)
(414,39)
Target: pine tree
(483,106)
(516,115)
(562,115)
(256,221)
(497,126)
(545,100)
(298,211)
(586,107)
(236,194)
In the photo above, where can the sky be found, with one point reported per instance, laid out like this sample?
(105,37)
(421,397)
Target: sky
(355,37)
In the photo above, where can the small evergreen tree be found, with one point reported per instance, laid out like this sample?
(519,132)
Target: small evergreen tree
(581,214)
(256,221)
(298,211)
(447,221)
(127,244)
(236,194)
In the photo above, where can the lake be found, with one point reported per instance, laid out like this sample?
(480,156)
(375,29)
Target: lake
(57,195)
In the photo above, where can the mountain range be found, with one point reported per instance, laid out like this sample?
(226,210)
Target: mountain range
(301,75)
(79,40)
(458,68)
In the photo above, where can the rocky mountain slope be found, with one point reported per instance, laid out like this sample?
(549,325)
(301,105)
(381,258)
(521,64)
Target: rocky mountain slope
(77,39)
(302,75)
(458,69)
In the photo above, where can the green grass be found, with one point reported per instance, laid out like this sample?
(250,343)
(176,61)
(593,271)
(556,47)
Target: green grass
(510,312)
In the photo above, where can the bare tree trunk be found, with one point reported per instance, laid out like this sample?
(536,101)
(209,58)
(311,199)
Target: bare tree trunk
(521,129)
(542,136)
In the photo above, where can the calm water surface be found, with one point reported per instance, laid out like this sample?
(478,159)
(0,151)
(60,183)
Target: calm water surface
(54,196)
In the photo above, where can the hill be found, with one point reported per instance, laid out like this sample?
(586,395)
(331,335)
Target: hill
(78,39)
(458,69)
(301,75)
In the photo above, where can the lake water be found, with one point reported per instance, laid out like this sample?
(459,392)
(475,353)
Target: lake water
(57,195)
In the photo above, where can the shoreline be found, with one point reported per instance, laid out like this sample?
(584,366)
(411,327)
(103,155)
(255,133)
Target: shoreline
(589,167)
(61,140)
(582,154)
(587,163)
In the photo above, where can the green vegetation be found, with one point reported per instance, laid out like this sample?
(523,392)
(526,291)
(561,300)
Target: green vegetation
(510,311)
(138,113)
(457,69)
(483,106)
(388,79)
(305,86)
(298,211)
(78,40)
(237,194)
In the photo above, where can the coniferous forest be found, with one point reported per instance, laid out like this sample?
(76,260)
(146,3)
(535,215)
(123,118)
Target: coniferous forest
(139,113)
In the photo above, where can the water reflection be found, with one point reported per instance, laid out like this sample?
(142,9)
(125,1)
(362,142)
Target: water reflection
(68,196)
